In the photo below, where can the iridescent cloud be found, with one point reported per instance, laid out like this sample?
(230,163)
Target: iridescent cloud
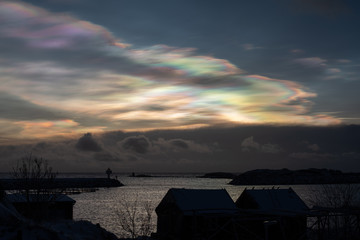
(43,29)
(164,87)
(183,60)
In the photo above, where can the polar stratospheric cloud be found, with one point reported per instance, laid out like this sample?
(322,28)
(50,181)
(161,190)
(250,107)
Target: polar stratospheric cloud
(62,75)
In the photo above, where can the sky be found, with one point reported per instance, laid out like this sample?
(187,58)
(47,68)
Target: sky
(187,85)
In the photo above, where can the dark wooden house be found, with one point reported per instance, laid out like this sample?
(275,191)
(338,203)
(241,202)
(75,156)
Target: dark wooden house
(281,212)
(43,207)
(195,214)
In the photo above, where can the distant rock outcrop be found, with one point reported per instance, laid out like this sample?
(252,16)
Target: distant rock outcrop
(219,175)
(289,177)
(141,175)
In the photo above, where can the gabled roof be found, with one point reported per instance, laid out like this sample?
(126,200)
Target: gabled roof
(20,198)
(191,201)
(271,199)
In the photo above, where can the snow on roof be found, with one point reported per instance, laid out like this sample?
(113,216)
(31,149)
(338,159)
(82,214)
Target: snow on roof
(275,199)
(20,198)
(200,200)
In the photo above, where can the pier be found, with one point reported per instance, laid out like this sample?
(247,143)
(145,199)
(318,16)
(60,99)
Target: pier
(59,183)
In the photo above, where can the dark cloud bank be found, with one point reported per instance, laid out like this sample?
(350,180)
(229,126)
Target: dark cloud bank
(87,143)
(234,149)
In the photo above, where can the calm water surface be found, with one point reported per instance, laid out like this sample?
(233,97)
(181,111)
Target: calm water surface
(102,206)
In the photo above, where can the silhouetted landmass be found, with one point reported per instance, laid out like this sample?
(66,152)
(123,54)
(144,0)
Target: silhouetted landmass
(292,177)
(141,175)
(218,175)
(61,183)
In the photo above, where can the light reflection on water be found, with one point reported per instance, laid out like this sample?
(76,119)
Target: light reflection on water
(101,206)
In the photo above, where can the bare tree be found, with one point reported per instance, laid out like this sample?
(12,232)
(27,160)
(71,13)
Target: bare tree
(341,201)
(336,195)
(135,220)
(146,226)
(35,176)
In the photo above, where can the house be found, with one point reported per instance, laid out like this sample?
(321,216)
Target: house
(195,213)
(43,207)
(283,214)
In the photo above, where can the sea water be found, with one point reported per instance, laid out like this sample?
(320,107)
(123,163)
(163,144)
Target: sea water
(103,205)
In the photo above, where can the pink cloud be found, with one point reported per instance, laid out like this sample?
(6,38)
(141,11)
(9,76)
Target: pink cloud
(296,51)
(249,46)
(42,29)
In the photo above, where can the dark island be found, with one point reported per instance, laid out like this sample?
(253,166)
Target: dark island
(219,175)
(295,177)
(140,175)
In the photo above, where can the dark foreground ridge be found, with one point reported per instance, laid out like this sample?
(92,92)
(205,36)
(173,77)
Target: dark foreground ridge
(293,177)
(61,183)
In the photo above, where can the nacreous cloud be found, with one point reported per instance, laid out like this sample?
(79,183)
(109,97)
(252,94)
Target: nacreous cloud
(94,82)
